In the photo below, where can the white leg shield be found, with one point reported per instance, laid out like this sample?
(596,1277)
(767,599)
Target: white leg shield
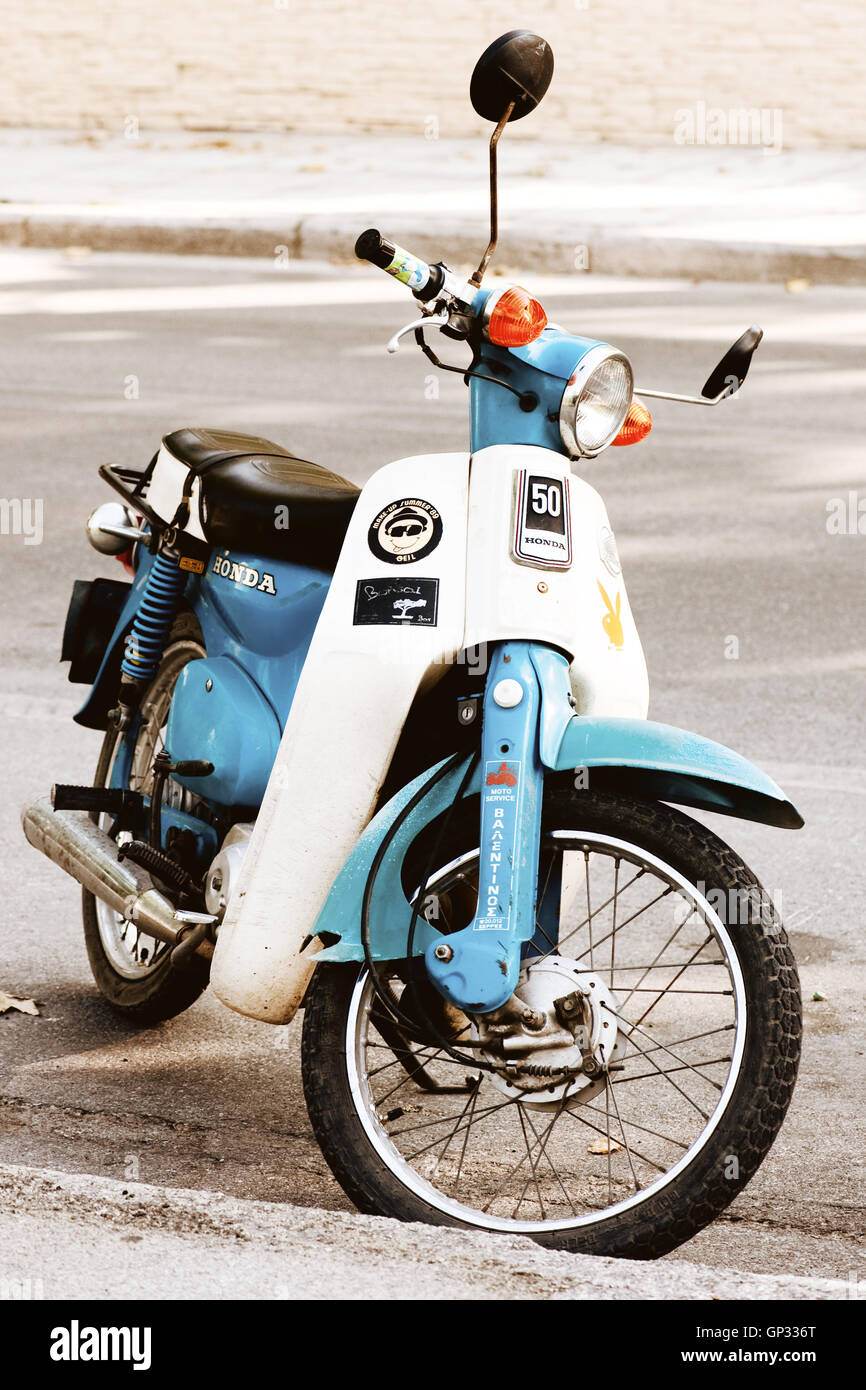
(392,623)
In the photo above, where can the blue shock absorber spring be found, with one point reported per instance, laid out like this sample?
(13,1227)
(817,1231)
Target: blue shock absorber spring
(152,622)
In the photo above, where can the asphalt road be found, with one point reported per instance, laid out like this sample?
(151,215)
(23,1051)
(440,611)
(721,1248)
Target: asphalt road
(721,519)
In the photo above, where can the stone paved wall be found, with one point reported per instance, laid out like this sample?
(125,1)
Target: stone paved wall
(628,71)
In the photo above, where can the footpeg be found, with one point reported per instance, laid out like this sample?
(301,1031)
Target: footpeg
(114,801)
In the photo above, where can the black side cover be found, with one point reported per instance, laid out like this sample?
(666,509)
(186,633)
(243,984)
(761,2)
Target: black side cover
(93,613)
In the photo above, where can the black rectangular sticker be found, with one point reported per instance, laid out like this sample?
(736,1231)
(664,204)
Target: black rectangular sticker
(542,530)
(396,602)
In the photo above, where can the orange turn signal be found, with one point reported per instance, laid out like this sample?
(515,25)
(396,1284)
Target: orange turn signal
(637,424)
(516,319)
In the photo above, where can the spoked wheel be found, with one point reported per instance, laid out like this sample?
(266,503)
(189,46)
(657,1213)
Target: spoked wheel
(133,970)
(629,1091)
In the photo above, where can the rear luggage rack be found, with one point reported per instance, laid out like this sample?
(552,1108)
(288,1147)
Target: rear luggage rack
(132,484)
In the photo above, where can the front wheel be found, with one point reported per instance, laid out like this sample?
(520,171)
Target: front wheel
(681,973)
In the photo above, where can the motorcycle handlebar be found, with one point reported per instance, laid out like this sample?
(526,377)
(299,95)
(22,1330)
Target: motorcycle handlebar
(425,281)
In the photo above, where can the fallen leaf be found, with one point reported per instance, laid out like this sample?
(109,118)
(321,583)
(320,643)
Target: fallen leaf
(600,1146)
(23,1006)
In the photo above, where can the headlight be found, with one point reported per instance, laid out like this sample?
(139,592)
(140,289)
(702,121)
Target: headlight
(595,401)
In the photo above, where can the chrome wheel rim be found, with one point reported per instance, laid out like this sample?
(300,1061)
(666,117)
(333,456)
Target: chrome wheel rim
(518,1166)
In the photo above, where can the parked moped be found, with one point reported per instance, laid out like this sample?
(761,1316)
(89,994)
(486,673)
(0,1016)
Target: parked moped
(384,753)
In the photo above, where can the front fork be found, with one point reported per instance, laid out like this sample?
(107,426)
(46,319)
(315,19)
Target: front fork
(477,968)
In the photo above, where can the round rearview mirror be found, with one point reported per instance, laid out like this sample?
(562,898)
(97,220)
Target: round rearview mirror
(516,67)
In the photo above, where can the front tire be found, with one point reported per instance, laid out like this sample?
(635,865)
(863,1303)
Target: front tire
(633,1184)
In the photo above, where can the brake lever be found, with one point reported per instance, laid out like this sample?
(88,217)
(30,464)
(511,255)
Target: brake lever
(427,321)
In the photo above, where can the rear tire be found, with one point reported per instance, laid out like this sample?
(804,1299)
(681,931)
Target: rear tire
(142,992)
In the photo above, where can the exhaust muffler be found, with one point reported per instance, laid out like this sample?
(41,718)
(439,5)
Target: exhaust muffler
(72,842)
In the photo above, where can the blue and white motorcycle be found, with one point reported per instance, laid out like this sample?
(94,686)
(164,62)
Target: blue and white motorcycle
(385,754)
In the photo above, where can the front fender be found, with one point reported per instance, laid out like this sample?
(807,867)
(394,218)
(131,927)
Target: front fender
(654,762)
(637,757)
(657,762)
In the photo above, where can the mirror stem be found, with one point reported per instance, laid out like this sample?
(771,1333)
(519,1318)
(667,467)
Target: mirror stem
(494,197)
(688,400)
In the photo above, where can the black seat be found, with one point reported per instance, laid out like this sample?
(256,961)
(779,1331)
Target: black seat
(245,480)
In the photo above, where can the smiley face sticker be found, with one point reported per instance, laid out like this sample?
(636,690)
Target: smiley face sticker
(405,531)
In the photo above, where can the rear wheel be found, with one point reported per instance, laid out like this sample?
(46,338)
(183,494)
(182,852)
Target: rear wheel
(132,970)
(680,978)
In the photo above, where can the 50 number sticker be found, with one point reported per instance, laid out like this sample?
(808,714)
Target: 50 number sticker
(542,521)
(545,499)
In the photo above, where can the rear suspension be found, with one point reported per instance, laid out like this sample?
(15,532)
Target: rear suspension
(149,634)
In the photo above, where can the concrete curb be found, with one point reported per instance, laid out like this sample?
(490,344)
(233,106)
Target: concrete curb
(453,1263)
(561,250)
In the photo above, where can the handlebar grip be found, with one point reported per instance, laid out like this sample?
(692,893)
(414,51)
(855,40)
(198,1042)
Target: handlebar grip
(425,281)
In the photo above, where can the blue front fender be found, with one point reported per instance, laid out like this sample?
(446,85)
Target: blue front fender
(657,762)
(636,757)
(654,762)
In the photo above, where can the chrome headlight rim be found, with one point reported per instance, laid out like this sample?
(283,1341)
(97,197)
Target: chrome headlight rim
(574,387)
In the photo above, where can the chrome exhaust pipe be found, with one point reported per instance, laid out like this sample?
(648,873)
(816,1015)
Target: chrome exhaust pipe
(72,842)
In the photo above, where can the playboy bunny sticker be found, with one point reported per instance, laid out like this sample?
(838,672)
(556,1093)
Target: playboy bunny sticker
(611,622)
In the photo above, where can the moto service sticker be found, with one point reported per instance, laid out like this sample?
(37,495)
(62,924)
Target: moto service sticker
(499,829)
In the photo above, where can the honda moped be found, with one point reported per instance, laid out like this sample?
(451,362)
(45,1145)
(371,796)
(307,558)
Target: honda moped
(384,754)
